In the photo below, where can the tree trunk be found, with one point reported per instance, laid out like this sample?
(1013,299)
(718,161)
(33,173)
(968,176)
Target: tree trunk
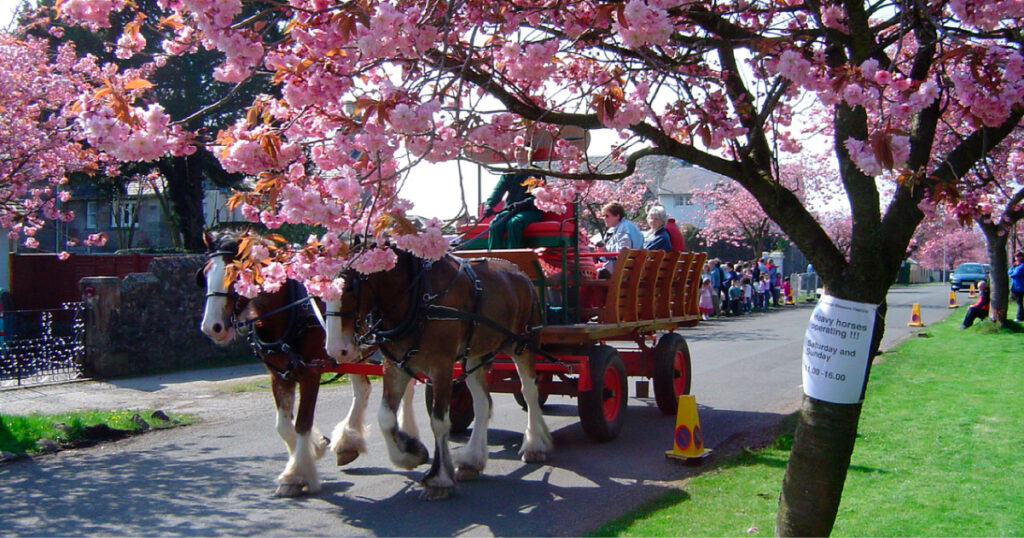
(816,473)
(185,192)
(999,280)
(812,487)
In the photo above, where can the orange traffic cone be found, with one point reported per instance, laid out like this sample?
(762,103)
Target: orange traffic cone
(915,317)
(688,445)
(973,293)
(952,299)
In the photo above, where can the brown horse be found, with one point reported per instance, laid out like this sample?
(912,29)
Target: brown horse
(284,332)
(426,316)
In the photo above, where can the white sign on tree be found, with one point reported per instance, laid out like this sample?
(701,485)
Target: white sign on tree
(836,348)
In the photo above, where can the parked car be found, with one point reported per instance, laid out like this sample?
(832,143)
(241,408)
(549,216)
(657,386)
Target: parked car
(967,274)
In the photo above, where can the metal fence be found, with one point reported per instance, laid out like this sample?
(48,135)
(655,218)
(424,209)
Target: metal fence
(805,285)
(42,346)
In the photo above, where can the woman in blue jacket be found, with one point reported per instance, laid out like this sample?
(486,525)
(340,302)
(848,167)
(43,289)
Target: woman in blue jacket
(659,238)
(1017,283)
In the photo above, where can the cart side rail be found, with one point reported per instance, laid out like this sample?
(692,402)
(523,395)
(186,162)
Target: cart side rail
(686,284)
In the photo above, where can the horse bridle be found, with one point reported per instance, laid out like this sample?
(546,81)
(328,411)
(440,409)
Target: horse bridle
(201,282)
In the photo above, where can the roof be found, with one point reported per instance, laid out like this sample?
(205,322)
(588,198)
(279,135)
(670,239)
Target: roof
(670,175)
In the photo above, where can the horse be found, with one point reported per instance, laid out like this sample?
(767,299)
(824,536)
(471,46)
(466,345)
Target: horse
(285,334)
(425,316)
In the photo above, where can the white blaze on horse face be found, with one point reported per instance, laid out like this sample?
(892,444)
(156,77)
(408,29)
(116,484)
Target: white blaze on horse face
(340,344)
(216,324)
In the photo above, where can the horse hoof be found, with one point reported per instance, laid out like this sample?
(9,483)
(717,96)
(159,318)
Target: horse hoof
(346,457)
(414,449)
(289,490)
(465,474)
(434,493)
(320,447)
(535,457)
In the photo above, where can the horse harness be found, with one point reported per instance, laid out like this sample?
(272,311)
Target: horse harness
(302,314)
(423,309)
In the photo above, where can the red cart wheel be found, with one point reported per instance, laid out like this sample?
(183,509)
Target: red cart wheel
(671,372)
(460,410)
(602,409)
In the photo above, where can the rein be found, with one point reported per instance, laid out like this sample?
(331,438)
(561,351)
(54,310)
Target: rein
(293,331)
(424,309)
(297,296)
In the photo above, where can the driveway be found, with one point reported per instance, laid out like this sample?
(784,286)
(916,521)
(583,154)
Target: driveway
(216,478)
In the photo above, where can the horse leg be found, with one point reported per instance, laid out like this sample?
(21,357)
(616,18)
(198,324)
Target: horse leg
(300,472)
(406,416)
(471,460)
(537,441)
(350,434)
(439,482)
(284,400)
(405,452)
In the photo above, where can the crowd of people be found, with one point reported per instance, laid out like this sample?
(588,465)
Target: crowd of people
(734,289)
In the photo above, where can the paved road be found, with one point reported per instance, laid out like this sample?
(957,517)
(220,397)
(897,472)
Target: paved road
(216,478)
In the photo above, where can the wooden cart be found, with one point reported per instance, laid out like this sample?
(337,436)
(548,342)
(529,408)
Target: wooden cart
(626,327)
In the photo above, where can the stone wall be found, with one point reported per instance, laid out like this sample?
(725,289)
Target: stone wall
(147,322)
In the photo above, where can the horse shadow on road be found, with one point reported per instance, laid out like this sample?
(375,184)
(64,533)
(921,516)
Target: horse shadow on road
(582,486)
(173,484)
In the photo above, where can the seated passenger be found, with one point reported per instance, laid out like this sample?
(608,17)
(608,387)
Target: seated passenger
(658,238)
(620,233)
(676,235)
(506,230)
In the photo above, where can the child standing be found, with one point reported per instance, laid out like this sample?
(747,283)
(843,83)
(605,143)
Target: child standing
(748,295)
(735,297)
(705,304)
(787,290)
(764,292)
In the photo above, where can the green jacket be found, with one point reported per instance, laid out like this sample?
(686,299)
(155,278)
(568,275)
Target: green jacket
(512,185)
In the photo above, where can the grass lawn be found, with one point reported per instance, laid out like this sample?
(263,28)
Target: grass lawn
(19,433)
(938,452)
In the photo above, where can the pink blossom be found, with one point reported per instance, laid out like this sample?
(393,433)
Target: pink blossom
(862,156)
(374,260)
(274,276)
(834,17)
(245,286)
(96,240)
(429,244)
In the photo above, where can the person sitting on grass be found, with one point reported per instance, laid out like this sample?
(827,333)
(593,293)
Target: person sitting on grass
(978,310)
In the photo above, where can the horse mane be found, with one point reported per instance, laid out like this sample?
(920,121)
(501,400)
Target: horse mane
(224,240)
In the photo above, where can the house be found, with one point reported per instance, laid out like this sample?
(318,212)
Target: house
(673,181)
(134,219)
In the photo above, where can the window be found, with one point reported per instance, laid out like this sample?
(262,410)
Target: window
(684,199)
(90,215)
(122,214)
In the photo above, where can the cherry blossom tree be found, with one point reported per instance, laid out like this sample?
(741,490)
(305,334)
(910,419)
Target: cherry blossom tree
(38,149)
(731,214)
(371,88)
(942,242)
(991,196)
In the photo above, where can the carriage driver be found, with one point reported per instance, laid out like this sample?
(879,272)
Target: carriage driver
(506,230)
